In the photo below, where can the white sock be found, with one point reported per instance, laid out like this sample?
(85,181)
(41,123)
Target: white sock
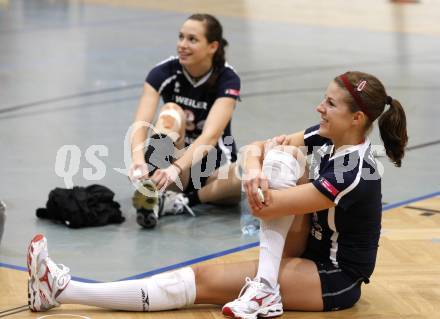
(171,290)
(272,238)
(282,170)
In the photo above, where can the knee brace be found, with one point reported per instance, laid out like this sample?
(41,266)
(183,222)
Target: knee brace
(176,116)
(281,169)
(172,290)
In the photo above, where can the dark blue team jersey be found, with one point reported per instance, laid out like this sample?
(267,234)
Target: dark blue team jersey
(175,85)
(346,235)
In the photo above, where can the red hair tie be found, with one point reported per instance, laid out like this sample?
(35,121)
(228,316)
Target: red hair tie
(354,93)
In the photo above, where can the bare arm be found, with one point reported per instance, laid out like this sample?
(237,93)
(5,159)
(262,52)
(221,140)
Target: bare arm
(143,120)
(218,117)
(216,122)
(253,178)
(298,200)
(294,139)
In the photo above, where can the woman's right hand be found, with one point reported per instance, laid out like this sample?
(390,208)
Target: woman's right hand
(255,182)
(277,141)
(138,171)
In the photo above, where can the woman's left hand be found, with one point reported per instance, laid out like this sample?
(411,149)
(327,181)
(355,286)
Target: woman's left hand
(165,177)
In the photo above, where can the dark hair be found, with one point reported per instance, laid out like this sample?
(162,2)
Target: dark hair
(213,32)
(392,122)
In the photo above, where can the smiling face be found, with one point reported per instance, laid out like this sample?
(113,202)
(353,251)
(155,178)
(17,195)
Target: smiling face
(337,121)
(192,46)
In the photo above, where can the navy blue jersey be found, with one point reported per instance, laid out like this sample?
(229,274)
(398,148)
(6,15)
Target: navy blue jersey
(347,235)
(175,85)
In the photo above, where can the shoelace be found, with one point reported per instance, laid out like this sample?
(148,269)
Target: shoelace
(56,271)
(180,203)
(247,293)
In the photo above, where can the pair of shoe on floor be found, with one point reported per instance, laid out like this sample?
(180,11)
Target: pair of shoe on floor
(47,281)
(150,204)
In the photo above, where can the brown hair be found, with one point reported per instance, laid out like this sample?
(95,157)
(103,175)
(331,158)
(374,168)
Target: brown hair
(370,92)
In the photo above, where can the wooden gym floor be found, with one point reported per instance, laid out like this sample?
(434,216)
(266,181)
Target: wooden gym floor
(405,283)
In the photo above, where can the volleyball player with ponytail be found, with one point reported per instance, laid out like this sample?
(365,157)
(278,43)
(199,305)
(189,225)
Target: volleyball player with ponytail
(330,247)
(199,90)
(316,261)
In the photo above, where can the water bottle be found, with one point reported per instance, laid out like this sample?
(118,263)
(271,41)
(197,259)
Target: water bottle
(249,224)
(2,218)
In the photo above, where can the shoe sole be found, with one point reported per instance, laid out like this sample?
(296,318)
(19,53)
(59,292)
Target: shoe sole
(148,200)
(37,244)
(268,312)
(146,219)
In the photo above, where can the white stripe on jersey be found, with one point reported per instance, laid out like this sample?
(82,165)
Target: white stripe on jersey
(343,290)
(306,136)
(166,82)
(168,59)
(362,149)
(199,82)
(329,271)
(225,150)
(227,65)
(334,238)
(331,211)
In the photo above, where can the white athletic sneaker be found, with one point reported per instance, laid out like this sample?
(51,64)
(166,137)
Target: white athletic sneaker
(173,203)
(256,299)
(46,279)
(150,204)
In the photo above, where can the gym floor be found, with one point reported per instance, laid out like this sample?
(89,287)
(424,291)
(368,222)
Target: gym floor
(71,73)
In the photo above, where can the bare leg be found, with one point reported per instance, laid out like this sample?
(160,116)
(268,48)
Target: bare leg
(172,123)
(168,124)
(209,283)
(219,283)
(222,190)
(296,240)
(299,281)
(300,285)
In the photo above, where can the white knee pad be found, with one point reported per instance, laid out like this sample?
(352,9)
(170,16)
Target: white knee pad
(175,115)
(172,290)
(281,168)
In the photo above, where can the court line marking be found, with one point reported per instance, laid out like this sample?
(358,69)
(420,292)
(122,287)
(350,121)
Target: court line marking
(221,253)
(11,312)
(254,244)
(12,309)
(435,211)
(68,97)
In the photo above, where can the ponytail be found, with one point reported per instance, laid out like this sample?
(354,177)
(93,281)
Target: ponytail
(392,127)
(367,94)
(219,58)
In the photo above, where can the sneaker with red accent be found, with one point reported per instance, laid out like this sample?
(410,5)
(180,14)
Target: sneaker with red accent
(256,299)
(46,279)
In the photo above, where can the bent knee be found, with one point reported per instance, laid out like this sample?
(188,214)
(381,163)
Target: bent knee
(173,106)
(172,117)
